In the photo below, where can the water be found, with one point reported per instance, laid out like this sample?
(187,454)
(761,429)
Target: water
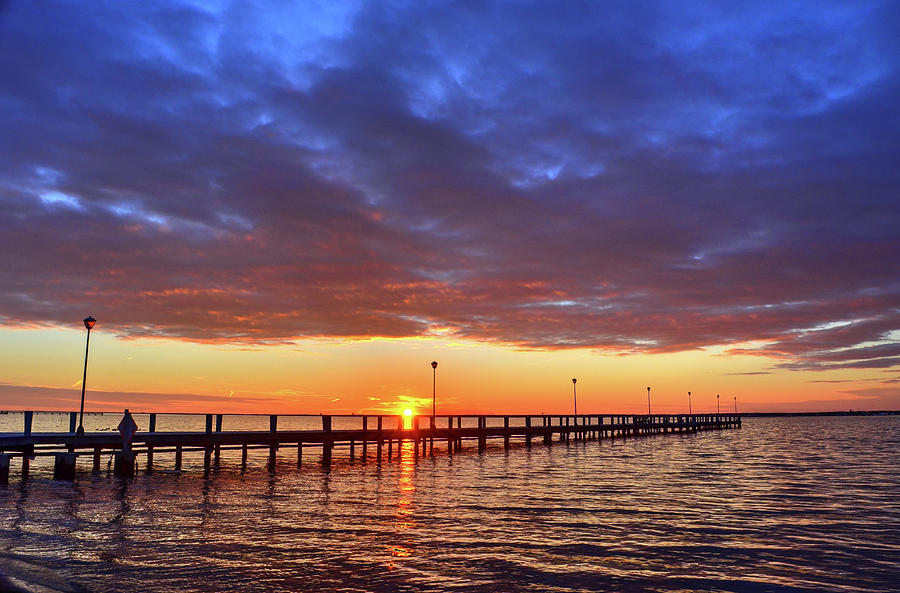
(792,504)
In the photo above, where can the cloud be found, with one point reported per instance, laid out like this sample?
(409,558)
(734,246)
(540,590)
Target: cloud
(50,398)
(627,179)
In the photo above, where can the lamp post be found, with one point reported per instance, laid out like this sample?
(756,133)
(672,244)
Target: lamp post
(689,404)
(648,401)
(735,405)
(433,389)
(89,324)
(575,396)
(718,411)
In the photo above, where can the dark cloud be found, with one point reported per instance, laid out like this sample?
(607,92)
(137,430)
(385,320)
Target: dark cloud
(646,178)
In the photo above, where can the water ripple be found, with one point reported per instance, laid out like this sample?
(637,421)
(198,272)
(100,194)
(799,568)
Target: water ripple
(782,505)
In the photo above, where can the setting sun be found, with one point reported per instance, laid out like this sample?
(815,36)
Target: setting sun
(407,412)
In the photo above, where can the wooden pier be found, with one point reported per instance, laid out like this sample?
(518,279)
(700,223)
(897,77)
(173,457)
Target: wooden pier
(379,437)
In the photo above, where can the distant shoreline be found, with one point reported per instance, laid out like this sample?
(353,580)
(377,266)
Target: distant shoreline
(744,414)
(844,413)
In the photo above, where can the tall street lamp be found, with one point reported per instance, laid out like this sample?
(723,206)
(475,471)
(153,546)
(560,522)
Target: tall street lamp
(433,389)
(689,404)
(718,411)
(648,401)
(735,404)
(575,396)
(89,324)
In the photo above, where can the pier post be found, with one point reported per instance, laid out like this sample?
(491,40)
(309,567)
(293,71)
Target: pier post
(29,417)
(178,458)
(299,454)
(449,435)
(482,440)
(244,457)
(73,422)
(506,432)
(64,467)
(218,447)
(96,465)
(4,469)
(528,431)
(26,462)
(327,442)
(151,428)
(380,441)
(364,453)
(431,426)
(273,457)
(123,466)
(209,423)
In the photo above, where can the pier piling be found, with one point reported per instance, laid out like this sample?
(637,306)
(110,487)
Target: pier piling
(64,467)
(4,468)
(123,465)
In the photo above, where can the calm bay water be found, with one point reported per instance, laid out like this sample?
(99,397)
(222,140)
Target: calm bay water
(783,504)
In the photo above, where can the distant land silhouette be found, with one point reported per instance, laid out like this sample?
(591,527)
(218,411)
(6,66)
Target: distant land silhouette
(842,413)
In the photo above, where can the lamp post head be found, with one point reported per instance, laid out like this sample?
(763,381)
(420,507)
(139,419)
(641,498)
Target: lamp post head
(648,390)
(89,322)
(574,380)
(689,393)
(434,364)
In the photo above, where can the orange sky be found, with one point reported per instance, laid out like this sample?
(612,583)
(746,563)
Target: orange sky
(41,369)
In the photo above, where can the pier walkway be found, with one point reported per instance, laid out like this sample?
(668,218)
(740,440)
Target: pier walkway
(373,437)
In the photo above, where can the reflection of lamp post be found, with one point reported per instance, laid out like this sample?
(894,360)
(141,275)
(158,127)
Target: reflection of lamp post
(689,404)
(433,391)
(718,411)
(648,401)
(89,324)
(575,396)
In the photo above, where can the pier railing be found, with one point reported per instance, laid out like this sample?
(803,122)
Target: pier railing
(369,436)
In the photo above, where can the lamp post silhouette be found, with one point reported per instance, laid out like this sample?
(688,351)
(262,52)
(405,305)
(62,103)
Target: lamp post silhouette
(718,411)
(575,396)
(648,401)
(433,389)
(89,324)
(735,404)
(689,404)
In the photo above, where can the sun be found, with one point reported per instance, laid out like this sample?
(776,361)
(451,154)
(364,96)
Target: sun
(407,412)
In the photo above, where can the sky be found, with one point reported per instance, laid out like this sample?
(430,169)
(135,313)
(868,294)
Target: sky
(295,207)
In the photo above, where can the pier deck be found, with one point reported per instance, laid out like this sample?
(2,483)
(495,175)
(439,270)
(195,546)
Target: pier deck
(378,437)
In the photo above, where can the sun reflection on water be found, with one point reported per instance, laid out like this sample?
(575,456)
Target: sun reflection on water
(406,489)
